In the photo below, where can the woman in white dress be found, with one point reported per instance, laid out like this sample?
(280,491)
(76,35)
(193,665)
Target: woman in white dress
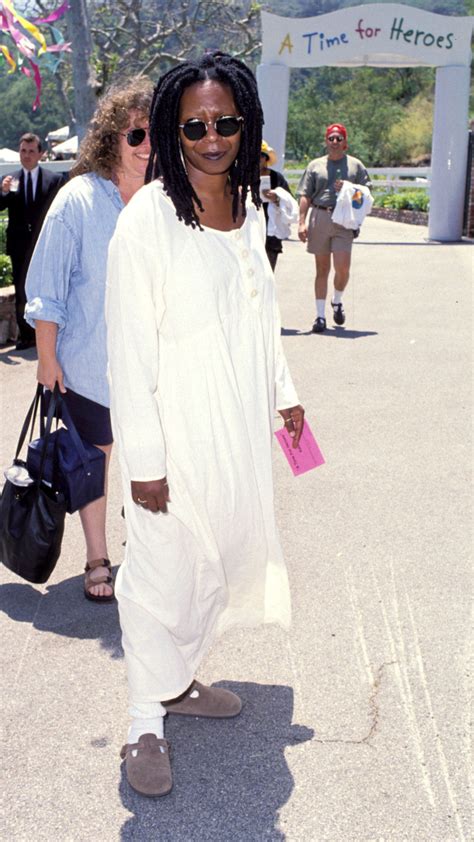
(196,372)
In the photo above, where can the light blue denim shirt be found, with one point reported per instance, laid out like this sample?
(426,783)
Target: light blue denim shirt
(66,279)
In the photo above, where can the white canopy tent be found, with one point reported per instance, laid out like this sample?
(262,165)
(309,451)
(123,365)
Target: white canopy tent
(69,147)
(382,35)
(58,135)
(9,156)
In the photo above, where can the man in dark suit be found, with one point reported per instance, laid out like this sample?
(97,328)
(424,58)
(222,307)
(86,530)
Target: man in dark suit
(27,194)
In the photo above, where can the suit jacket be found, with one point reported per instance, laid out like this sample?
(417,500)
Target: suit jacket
(24,223)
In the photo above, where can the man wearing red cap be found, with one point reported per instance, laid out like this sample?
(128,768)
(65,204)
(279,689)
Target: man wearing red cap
(318,190)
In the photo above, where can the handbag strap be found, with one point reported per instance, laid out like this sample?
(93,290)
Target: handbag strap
(44,414)
(76,439)
(49,421)
(31,414)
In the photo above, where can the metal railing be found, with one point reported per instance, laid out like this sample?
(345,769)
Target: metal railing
(385,176)
(390,178)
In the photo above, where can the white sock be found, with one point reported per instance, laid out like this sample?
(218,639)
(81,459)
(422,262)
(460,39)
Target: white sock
(337,297)
(146,719)
(145,726)
(321,308)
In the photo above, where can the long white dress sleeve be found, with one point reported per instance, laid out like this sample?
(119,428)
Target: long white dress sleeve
(134,309)
(196,372)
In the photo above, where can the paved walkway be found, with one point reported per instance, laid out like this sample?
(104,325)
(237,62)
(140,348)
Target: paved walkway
(355,726)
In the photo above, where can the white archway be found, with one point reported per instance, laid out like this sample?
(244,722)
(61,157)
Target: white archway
(382,35)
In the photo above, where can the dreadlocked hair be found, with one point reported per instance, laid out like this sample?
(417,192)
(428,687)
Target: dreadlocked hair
(166,160)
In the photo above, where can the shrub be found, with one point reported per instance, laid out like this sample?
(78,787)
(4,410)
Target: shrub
(6,275)
(410,137)
(417,200)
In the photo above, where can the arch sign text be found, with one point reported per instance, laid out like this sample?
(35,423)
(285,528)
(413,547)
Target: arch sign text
(389,34)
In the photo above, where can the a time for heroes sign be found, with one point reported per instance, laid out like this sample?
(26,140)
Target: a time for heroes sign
(377,35)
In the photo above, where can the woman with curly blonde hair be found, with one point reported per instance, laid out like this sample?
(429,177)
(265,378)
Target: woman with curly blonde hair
(66,286)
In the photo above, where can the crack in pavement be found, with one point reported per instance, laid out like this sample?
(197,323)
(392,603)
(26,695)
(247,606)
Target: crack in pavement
(374,713)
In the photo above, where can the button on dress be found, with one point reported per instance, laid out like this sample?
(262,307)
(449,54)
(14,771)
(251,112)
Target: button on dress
(196,371)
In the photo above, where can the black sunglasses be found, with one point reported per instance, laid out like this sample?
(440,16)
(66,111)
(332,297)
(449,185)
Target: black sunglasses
(135,136)
(335,138)
(197,129)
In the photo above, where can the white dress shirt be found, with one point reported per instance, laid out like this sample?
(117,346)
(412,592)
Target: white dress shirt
(34,179)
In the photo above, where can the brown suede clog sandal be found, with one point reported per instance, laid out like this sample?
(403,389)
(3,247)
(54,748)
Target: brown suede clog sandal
(89,582)
(199,700)
(148,767)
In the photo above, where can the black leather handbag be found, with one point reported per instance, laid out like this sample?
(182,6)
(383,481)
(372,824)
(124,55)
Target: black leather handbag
(72,465)
(32,516)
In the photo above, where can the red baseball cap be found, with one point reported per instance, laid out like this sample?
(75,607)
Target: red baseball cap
(337,127)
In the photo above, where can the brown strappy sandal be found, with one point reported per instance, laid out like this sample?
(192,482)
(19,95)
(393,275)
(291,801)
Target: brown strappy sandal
(89,582)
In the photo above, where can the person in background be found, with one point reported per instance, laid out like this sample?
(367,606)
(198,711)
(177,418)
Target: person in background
(325,239)
(268,158)
(197,373)
(27,193)
(66,287)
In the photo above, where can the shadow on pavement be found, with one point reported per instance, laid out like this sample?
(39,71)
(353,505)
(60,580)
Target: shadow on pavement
(7,352)
(339,332)
(230,776)
(406,243)
(64,611)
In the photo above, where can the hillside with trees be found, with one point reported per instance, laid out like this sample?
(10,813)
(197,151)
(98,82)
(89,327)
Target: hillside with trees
(388,112)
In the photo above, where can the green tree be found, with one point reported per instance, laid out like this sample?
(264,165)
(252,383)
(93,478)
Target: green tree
(113,39)
(369,101)
(409,139)
(17,114)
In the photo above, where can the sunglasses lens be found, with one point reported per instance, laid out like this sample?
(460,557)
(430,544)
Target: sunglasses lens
(194,129)
(335,137)
(227,126)
(136,136)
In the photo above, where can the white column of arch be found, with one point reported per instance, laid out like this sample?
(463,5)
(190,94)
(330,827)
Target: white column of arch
(449,153)
(273,82)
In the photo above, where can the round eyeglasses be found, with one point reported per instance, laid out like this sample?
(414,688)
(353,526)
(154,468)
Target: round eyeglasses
(197,129)
(335,138)
(135,136)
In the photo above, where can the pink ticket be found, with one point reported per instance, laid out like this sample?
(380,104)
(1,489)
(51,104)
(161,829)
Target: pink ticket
(306,456)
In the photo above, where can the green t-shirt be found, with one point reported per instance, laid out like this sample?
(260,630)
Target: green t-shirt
(317,182)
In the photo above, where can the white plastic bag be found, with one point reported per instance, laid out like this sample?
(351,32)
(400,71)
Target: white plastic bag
(354,202)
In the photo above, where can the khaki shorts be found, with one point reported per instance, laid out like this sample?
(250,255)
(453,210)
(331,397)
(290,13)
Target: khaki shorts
(325,236)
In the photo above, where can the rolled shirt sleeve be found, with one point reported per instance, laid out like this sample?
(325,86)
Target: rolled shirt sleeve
(51,268)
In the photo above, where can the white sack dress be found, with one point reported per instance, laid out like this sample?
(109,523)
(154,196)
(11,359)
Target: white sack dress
(196,371)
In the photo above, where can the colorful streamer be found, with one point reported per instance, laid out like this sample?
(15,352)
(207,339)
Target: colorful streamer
(30,27)
(54,15)
(11,61)
(31,44)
